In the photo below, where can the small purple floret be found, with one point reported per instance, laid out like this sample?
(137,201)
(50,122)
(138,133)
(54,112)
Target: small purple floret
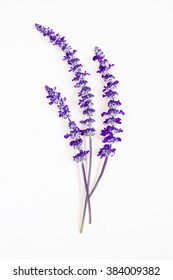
(87,121)
(114,103)
(76,144)
(88,131)
(107,150)
(82,155)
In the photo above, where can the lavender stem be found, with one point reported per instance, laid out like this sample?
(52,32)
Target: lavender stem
(90,160)
(100,176)
(89,177)
(87,191)
(95,186)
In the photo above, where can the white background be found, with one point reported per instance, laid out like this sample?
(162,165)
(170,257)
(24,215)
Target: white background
(41,187)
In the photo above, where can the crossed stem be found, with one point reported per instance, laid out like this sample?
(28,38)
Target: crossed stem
(91,193)
(87,192)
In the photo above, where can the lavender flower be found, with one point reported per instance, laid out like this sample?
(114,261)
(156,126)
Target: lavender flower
(64,112)
(84,93)
(112,116)
(110,131)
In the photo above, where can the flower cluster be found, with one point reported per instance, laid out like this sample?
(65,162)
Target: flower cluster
(64,112)
(84,93)
(110,131)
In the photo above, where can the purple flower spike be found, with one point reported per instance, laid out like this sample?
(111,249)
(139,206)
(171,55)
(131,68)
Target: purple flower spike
(64,112)
(55,98)
(76,68)
(109,91)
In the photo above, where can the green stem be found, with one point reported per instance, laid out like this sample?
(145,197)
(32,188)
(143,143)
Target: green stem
(91,193)
(83,216)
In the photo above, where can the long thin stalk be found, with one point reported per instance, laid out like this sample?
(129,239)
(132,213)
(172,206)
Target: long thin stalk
(89,177)
(90,160)
(87,191)
(100,176)
(91,193)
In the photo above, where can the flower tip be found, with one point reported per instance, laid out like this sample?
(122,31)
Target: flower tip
(96,48)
